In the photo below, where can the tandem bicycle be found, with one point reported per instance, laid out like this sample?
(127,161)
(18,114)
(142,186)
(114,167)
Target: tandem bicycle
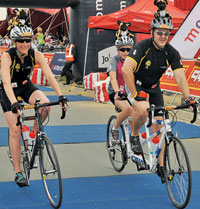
(177,169)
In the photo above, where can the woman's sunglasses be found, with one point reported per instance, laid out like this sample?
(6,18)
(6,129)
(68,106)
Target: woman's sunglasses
(160,33)
(24,40)
(125,49)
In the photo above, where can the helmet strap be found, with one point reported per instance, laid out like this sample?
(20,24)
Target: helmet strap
(20,54)
(121,59)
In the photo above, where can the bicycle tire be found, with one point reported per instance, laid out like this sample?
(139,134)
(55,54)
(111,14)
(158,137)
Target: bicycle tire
(117,153)
(50,172)
(178,176)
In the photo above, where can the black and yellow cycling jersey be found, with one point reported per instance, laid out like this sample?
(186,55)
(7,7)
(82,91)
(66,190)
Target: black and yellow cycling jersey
(21,71)
(153,62)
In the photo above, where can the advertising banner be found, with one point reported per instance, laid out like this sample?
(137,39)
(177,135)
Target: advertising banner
(57,63)
(48,57)
(187,38)
(2,50)
(192,74)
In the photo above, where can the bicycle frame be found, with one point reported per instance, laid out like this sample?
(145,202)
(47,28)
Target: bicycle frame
(153,153)
(40,129)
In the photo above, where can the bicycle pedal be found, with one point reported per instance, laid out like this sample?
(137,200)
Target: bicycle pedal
(170,178)
(140,167)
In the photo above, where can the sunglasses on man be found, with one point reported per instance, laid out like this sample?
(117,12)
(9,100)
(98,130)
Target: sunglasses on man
(24,40)
(160,33)
(125,49)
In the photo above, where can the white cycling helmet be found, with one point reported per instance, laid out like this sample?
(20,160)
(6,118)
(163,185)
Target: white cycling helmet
(162,22)
(125,40)
(21,32)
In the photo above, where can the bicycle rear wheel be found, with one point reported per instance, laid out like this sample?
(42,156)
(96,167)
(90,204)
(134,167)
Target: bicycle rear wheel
(50,172)
(117,153)
(178,175)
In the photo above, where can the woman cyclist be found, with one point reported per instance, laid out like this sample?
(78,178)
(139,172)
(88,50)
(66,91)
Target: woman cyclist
(16,66)
(116,89)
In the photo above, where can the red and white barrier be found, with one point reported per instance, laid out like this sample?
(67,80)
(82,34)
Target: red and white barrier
(90,79)
(38,77)
(101,91)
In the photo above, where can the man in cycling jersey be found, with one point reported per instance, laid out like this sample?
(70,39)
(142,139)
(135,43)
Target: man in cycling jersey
(116,88)
(142,70)
(16,66)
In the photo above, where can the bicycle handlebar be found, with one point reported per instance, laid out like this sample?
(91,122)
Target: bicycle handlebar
(37,105)
(169,108)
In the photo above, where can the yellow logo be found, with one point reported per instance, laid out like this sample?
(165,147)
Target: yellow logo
(147,64)
(17,67)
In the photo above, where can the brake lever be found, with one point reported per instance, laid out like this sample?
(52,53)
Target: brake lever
(195,113)
(150,117)
(63,113)
(18,120)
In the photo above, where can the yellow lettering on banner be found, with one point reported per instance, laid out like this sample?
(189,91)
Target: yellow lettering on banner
(196,75)
(192,73)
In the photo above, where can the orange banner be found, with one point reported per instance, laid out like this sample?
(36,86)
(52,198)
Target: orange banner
(48,57)
(192,73)
(2,50)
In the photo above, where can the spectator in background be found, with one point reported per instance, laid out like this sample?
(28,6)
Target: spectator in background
(65,41)
(70,58)
(49,41)
(1,41)
(7,42)
(40,39)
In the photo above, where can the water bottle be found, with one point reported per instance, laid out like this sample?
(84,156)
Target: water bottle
(26,130)
(143,137)
(31,141)
(154,144)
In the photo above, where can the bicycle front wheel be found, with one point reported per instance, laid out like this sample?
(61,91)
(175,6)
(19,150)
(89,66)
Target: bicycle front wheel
(117,153)
(178,175)
(50,172)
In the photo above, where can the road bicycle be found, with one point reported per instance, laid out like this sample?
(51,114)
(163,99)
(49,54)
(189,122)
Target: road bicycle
(44,149)
(177,169)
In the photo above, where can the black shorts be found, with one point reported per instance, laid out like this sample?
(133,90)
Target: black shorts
(111,97)
(24,91)
(155,96)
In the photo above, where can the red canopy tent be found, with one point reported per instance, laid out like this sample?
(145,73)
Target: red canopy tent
(52,20)
(139,14)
